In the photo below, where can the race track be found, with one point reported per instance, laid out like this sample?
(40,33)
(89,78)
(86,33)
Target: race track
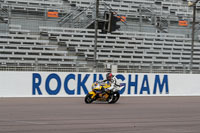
(72,115)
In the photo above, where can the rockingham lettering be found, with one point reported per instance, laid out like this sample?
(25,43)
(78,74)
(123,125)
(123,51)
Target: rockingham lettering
(80,83)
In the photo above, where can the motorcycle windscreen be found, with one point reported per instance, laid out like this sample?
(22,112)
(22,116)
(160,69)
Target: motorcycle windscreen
(96,87)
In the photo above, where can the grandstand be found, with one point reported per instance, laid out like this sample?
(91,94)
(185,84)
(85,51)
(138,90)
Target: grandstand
(151,39)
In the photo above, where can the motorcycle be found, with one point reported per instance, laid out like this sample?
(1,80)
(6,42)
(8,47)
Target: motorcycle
(110,96)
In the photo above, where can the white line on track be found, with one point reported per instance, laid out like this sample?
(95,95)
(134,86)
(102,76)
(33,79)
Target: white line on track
(32,122)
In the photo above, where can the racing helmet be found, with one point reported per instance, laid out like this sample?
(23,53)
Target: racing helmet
(109,76)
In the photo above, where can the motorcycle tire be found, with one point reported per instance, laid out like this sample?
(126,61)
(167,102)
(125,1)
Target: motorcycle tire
(116,97)
(88,99)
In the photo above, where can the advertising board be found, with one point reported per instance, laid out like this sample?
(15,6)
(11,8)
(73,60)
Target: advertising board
(64,84)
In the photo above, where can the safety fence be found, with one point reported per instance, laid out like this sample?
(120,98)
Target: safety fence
(91,69)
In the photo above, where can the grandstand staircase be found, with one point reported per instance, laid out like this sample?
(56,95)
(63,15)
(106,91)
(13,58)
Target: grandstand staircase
(4,14)
(83,17)
(78,18)
(160,22)
(69,16)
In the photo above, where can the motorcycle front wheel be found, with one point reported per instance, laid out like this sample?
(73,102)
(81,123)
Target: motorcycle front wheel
(116,97)
(113,98)
(88,98)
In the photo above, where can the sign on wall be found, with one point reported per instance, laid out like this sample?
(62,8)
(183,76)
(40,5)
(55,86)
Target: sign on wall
(183,23)
(62,84)
(52,14)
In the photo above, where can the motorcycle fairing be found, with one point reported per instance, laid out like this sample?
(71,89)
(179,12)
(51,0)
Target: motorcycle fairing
(93,94)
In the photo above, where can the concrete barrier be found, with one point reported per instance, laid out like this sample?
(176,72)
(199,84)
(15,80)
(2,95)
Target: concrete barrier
(64,84)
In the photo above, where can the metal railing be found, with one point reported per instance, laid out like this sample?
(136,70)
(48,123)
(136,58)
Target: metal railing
(90,69)
(79,17)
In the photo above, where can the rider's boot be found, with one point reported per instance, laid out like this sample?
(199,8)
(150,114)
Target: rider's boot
(103,92)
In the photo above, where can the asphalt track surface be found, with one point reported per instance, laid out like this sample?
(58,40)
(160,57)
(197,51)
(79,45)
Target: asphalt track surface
(72,115)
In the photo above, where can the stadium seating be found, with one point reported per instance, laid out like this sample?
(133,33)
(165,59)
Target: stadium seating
(128,49)
(131,6)
(30,50)
(34,39)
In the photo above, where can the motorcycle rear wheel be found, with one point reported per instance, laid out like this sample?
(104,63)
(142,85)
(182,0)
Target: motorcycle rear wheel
(88,98)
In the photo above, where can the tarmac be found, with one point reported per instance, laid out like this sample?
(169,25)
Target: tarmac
(129,115)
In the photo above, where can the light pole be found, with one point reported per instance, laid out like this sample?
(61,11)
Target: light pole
(96,36)
(193,31)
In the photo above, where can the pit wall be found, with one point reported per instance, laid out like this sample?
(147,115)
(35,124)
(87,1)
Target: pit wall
(64,84)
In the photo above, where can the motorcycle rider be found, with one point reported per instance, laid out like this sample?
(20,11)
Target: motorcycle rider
(112,80)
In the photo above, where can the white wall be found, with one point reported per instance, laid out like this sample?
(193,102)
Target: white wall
(62,84)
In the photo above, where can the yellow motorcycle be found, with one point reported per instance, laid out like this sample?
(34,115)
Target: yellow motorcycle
(110,96)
